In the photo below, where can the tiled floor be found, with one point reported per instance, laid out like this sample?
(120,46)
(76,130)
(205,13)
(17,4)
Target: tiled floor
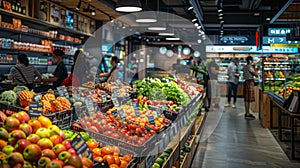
(230,141)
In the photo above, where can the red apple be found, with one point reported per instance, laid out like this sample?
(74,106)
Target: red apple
(72,151)
(24,115)
(54,164)
(14,136)
(3,134)
(59,162)
(59,148)
(21,145)
(43,133)
(43,161)
(45,143)
(67,144)
(19,117)
(75,161)
(11,123)
(56,139)
(62,134)
(33,138)
(32,153)
(53,130)
(26,128)
(48,153)
(15,159)
(69,166)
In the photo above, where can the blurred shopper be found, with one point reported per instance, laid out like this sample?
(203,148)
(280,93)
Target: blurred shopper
(233,81)
(60,72)
(24,73)
(213,85)
(112,75)
(132,69)
(249,73)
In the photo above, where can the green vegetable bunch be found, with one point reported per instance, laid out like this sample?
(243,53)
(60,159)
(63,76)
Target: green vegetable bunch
(10,97)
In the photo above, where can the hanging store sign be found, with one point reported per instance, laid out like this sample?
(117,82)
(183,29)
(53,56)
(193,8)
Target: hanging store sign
(278,40)
(278,31)
(231,49)
(279,49)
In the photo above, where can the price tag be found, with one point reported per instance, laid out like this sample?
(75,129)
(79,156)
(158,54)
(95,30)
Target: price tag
(121,112)
(81,147)
(115,114)
(103,96)
(151,119)
(115,102)
(35,109)
(90,105)
(115,92)
(62,91)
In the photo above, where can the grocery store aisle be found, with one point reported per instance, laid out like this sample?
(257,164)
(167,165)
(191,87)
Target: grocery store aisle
(238,143)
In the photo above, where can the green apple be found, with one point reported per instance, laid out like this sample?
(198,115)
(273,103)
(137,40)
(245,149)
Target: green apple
(43,161)
(8,149)
(27,165)
(3,134)
(64,155)
(45,143)
(59,148)
(54,130)
(43,133)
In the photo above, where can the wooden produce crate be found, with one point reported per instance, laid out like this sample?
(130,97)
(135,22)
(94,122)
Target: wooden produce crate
(173,159)
(188,159)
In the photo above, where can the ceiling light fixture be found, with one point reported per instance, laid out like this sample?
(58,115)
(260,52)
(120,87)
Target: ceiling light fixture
(93,12)
(199,27)
(168,32)
(194,20)
(173,38)
(222,21)
(196,24)
(190,8)
(128,6)
(158,27)
(220,17)
(268,18)
(256,14)
(220,10)
(146,17)
(78,5)
(220,14)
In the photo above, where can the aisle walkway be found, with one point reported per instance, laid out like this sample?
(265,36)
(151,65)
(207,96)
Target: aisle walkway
(238,143)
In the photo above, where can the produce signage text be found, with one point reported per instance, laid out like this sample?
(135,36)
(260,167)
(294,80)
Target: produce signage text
(278,40)
(103,96)
(62,91)
(81,147)
(115,102)
(35,109)
(121,112)
(278,31)
(136,109)
(90,105)
(151,119)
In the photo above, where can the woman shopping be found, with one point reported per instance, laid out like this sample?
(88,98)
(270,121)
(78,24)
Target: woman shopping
(24,73)
(112,75)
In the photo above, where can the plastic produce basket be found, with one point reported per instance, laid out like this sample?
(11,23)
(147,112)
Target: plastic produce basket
(63,119)
(6,107)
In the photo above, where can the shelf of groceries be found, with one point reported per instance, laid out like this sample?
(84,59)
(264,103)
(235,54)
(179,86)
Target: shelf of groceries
(151,123)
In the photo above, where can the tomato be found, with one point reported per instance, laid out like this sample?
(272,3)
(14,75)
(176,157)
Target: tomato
(97,152)
(99,159)
(110,159)
(117,160)
(92,144)
(127,158)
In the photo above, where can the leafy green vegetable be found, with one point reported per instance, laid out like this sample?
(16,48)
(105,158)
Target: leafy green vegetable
(10,97)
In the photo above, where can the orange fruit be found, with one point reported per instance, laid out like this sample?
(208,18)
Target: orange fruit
(127,158)
(92,144)
(2,144)
(117,160)
(35,125)
(107,150)
(45,121)
(116,150)
(123,164)
(99,159)
(114,166)
(97,151)
(110,159)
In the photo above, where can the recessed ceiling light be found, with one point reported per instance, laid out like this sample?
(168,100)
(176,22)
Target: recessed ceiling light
(199,27)
(166,34)
(194,20)
(172,38)
(220,14)
(196,24)
(199,41)
(222,21)
(190,8)
(220,17)
(268,18)
(220,10)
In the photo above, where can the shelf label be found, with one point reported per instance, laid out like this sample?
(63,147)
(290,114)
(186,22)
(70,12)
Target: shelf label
(115,92)
(81,148)
(115,114)
(35,109)
(151,119)
(90,105)
(103,96)
(62,91)
(115,102)
(121,112)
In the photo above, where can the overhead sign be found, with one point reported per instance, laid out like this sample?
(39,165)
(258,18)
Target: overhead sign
(279,49)
(278,31)
(231,49)
(226,39)
(285,45)
(278,40)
